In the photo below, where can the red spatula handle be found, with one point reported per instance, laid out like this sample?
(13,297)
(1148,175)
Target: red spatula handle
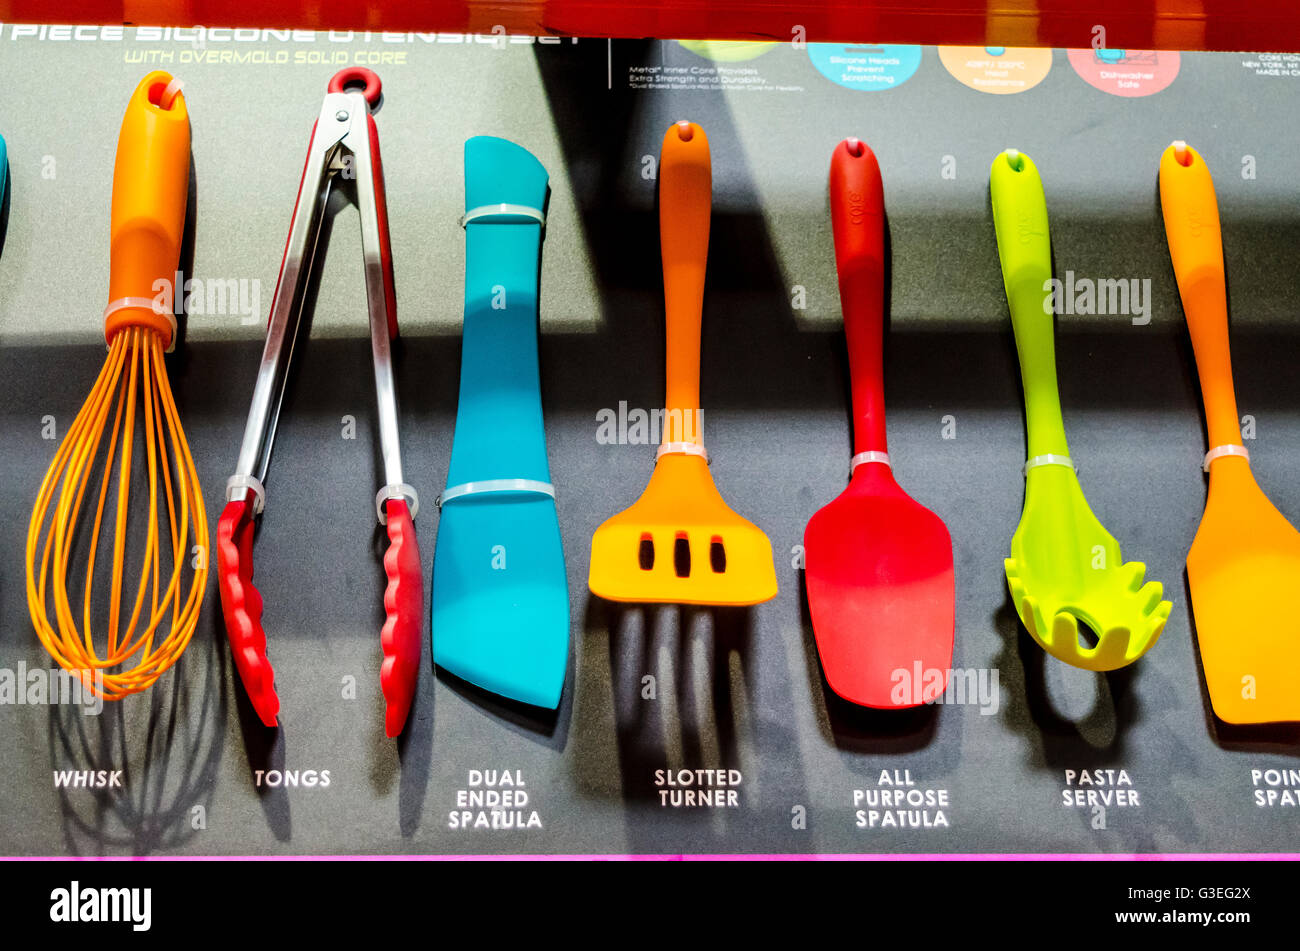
(685,205)
(858,221)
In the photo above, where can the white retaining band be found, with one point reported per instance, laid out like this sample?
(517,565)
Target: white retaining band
(398,490)
(237,482)
(495,485)
(170,92)
(148,303)
(1048,459)
(871,455)
(1231,449)
(681,449)
(490,211)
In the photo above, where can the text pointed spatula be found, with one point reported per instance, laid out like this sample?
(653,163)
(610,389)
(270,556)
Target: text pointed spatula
(1244,564)
(878,565)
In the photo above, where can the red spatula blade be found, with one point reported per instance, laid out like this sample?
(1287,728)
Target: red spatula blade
(879,573)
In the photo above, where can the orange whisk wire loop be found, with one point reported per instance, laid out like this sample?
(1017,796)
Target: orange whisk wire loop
(152,625)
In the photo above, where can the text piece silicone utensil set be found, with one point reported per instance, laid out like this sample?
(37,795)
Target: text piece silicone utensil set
(150,191)
(500,616)
(344,144)
(1065,568)
(878,565)
(680,543)
(1245,559)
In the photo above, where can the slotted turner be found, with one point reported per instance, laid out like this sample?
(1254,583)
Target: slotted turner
(878,565)
(1244,563)
(680,543)
(1065,568)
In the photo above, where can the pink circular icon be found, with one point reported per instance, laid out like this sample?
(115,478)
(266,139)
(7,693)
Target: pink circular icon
(1128,73)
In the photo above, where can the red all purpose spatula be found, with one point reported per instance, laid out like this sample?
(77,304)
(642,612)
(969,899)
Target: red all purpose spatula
(878,565)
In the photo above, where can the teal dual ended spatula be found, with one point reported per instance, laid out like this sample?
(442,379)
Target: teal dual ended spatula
(1065,568)
(500,593)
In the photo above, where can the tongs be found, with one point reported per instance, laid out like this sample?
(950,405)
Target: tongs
(344,142)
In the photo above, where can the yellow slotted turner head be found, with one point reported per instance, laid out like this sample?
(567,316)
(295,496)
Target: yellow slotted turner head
(680,543)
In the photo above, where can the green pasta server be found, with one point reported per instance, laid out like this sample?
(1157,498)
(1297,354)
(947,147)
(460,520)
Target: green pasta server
(1065,568)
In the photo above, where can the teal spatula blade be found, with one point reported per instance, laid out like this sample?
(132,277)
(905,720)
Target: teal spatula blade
(501,602)
(500,616)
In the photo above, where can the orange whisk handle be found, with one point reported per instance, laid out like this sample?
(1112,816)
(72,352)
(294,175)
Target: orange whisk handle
(150,187)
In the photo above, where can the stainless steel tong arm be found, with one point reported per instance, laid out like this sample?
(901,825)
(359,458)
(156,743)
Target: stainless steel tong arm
(341,146)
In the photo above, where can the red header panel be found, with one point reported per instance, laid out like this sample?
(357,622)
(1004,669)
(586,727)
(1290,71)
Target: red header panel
(1254,25)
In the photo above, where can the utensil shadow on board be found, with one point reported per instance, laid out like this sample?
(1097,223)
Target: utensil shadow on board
(857,729)
(1278,739)
(169,761)
(549,727)
(179,357)
(264,749)
(414,754)
(660,719)
(4,208)
(1096,740)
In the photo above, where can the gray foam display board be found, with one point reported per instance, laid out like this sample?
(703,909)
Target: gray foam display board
(738,689)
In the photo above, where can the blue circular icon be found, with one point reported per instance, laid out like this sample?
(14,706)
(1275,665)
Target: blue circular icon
(865,65)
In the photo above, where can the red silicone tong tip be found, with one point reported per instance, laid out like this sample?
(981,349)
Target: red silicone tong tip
(404,602)
(242,606)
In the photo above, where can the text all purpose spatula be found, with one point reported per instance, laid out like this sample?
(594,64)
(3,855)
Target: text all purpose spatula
(681,543)
(878,564)
(1244,564)
(1065,568)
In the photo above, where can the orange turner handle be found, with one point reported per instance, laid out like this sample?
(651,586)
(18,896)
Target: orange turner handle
(1191,215)
(685,205)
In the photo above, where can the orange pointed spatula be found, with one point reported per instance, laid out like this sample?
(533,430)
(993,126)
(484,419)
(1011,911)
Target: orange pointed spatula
(1244,564)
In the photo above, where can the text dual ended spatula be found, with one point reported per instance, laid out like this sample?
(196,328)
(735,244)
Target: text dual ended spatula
(500,616)
(1065,568)
(680,543)
(344,145)
(878,565)
(1244,564)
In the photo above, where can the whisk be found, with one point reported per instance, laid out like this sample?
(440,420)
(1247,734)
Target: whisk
(149,627)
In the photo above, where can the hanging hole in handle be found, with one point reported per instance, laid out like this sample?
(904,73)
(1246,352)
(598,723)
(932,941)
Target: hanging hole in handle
(1182,154)
(853,146)
(685,131)
(1015,159)
(360,78)
(163,95)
